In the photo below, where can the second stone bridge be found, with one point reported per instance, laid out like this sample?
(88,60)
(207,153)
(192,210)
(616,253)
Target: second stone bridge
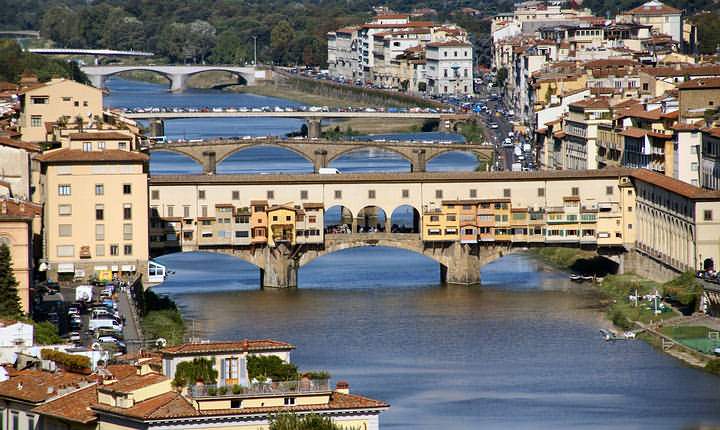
(320,152)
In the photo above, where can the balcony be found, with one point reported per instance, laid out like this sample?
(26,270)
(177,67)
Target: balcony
(301,386)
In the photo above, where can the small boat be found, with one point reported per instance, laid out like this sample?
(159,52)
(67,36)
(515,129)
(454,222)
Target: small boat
(574,277)
(586,278)
(608,335)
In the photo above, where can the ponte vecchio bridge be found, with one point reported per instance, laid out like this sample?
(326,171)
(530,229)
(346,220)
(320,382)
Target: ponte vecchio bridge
(319,152)
(645,222)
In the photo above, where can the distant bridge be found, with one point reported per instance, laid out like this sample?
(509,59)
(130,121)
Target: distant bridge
(177,75)
(319,152)
(21,33)
(447,122)
(94,52)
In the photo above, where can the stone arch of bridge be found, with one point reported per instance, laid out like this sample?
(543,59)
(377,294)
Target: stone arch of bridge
(356,241)
(399,224)
(189,154)
(481,155)
(225,155)
(405,154)
(254,257)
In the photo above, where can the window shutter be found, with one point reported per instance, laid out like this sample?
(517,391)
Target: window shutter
(222,372)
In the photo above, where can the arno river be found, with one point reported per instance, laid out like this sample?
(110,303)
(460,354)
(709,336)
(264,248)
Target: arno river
(522,351)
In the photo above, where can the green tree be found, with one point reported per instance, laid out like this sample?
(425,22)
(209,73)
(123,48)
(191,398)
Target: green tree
(124,33)
(270,367)
(200,369)
(45,333)
(201,39)
(229,49)
(9,299)
(307,422)
(281,37)
(62,25)
(173,40)
(167,324)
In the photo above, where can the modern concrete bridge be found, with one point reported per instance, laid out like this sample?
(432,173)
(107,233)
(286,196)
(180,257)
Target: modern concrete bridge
(189,212)
(319,152)
(177,75)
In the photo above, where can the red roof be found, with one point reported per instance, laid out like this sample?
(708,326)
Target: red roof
(28,146)
(133,382)
(108,155)
(219,347)
(18,209)
(701,83)
(654,7)
(37,386)
(73,407)
(108,135)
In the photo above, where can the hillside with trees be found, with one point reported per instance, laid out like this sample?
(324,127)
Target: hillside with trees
(14,62)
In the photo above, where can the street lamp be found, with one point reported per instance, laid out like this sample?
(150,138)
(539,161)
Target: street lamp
(255,50)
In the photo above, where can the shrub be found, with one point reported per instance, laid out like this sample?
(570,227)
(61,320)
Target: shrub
(70,361)
(188,372)
(45,333)
(307,422)
(237,389)
(222,390)
(212,391)
(319,374)
(272,367)
(713,366)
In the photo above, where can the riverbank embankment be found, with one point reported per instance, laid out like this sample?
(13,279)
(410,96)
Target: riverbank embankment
(662,313)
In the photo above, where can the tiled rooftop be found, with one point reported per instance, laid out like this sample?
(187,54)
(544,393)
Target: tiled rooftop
(219,347)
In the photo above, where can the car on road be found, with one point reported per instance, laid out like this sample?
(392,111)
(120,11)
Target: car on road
(493,125)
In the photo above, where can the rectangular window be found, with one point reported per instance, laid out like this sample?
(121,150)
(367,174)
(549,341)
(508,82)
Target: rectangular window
(236,195)
(506,192)
(155,194)
(473,193)
(575,191)
(99,232)
(405,194)
(15,425)
(64,210)
(127,211)
(127,249)
(694,166)
(65,230)
(541,192)
(39,100)
(99,212)
(87,146)
(707,215)
(36,121)
(312,219)
(270,194)
(65,250)
(101,146)
(204,211)
(371,194)
(438,194)
(99,189)
(64,190)
(31,422)
(201,194)
(289,401)
(170,210)
(338,194)
(609,190)
(127,189)
(303,195)
(100,250)
(242,233)
(127,232)
(114,250)
(186,211)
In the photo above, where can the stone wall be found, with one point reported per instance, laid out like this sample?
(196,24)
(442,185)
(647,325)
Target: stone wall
(647,267)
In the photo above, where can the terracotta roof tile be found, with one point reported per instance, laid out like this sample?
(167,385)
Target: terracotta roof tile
(28,146)
(133,382)
(595,103)
(212,347)
(654,7)
(73,407)
(701,83)
(65,155)
(174,405)
(634,132)
(682,188)
(107,135)
(13,209)
(36,386)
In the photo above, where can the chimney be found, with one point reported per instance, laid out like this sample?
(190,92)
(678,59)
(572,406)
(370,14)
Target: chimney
(342,387)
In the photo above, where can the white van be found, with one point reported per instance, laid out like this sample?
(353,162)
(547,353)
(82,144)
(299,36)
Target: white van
(328,171)
(105,323)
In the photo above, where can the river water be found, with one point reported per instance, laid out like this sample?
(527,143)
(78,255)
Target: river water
(522,351)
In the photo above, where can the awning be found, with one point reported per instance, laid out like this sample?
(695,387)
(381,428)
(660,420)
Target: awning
(66,268)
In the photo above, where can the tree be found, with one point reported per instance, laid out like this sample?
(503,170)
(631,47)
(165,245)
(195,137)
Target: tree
(201,39)
(502,75)
(307,422)
(280,38)
(9,299)
(270,367)
(200,369)
(124,33)
(229,49)
(172,41)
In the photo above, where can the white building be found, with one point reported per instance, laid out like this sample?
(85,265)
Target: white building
(449,68)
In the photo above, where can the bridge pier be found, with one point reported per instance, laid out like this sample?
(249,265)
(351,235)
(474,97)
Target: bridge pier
(320,159)
(156,127)
(210,164)
(279,268)
(314,128)
(419,164)
(97,81)
(178,83)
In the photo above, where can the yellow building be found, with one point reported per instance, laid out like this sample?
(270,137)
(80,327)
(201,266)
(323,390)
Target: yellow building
(96,207)
(16,220)
(281,225)
(61,100)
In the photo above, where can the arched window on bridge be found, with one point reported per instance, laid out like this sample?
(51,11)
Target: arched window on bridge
(405,219)
(338,220)
(372,219)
